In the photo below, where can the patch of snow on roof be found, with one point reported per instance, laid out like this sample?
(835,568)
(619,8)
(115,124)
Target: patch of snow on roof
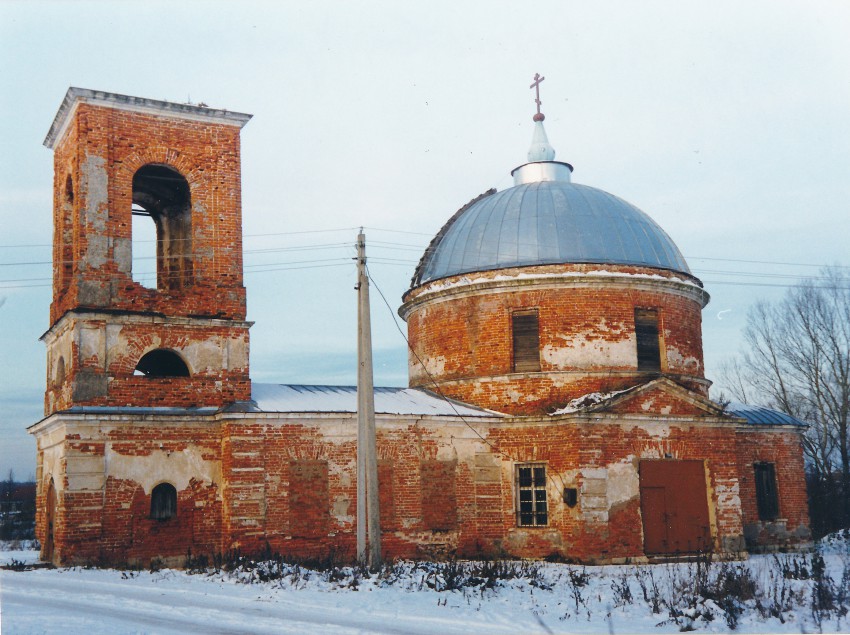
(586,401)
(400,401)
(466,280)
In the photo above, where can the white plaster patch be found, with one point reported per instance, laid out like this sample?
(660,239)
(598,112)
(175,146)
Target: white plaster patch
(50,467)
(91,342)
(178,468)
(677,361)
(581,351)
(435,366)
(646,405)
(623,482)
(728,494)
(516,396)
(594,472)
(654,429)
(204,355)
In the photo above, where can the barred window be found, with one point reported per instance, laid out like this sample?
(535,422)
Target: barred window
(526,341)
(163,501)
(767,499)
(532,509)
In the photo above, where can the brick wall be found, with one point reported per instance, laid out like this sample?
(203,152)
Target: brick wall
(104,469)
(289,483)
(784,450)
(102,148)
(460,333)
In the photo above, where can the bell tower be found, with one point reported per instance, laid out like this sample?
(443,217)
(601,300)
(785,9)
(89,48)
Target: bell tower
(179,339)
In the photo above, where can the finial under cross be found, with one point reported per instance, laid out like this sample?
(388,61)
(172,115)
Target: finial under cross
(536,85)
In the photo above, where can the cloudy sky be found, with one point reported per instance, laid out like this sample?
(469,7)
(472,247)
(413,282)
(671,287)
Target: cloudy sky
(727,122)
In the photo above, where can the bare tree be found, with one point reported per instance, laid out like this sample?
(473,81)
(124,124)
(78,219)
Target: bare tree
(798,361)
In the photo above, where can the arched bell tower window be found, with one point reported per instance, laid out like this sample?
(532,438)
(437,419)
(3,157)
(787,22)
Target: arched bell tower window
(162,363)
(162,194)
(163,501)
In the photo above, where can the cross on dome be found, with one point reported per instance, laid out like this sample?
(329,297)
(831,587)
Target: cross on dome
(536,86)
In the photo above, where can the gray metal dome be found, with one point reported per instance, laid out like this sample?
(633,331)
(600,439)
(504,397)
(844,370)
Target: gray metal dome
(547,222)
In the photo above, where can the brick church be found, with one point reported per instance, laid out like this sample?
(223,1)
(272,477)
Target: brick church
(557,403)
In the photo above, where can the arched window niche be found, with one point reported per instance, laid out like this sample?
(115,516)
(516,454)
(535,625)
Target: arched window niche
(161,194)
(162,363)
(59,377)
(65,240)
(164,502)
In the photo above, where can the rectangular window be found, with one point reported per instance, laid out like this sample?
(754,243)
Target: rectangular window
(532,508)
(648,343)
(526,341)
(766,495)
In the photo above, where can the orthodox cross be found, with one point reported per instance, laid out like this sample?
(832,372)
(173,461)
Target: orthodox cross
(536,85)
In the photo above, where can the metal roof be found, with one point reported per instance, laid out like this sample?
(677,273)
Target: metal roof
(143,410)
(756,415)
(547,222)
(400,401)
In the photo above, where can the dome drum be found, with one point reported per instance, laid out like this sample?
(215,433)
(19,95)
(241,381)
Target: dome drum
(586,335)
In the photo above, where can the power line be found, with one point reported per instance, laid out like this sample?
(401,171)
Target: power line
(436,388)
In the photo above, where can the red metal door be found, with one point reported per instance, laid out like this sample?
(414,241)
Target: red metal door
(674,507)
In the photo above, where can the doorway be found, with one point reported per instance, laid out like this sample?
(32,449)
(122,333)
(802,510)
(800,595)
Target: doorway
(674,507)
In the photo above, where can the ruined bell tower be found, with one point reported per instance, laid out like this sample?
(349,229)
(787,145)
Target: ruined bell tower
(181,339)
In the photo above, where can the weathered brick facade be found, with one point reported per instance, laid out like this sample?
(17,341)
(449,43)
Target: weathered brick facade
(288,482)
(460,335)
(118,428)
(102,321)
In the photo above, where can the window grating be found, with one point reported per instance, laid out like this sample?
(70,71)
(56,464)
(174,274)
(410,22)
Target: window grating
(532,508)
(526,341)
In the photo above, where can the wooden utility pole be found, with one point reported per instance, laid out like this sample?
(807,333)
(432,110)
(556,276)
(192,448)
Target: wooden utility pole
(368,514)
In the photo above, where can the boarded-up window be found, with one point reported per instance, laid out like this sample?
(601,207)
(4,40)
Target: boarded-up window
(386,494)
(532,507)
(648,345)
(766,496)
(439,494)
(163,501)
(526,341)
(309,498)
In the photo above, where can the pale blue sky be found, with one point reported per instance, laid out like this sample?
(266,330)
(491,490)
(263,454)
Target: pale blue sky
(727,122)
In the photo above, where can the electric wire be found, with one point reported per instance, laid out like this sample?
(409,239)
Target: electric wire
(763,279)
(436,388)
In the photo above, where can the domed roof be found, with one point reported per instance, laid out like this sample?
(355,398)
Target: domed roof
(547,222)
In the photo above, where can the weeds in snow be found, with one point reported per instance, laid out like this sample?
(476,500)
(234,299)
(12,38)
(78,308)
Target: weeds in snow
(689,595)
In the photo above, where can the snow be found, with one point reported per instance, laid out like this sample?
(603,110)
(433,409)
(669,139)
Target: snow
(400,401)
(406,598)
(586,401)
(466,280)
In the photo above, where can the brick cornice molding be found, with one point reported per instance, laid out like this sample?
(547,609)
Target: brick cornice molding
(156,107)
(506,281)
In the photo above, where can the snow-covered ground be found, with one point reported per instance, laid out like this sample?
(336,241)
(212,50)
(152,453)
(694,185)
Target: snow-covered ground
(411,598)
